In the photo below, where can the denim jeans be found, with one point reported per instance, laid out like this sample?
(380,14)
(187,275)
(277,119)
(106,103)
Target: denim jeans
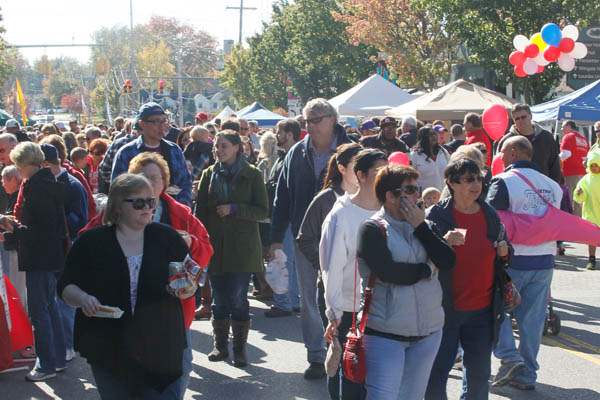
(230,296)
(289,300)
(67,317)
(177,389)
(312,324)
(474,332)
(348,390)
(46,320)
(399,370)
(534,287)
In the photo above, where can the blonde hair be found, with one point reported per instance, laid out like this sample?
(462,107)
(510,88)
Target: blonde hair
(470,151)
(137,164)
(123,187)
(197,131)
(27,153)
(268,146)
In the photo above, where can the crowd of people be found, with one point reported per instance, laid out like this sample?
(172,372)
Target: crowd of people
(93,217)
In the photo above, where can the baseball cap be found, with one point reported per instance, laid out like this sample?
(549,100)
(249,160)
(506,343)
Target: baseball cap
(50,152)
(12,123)
(439,128)
(202,116)
(368,126)
(387,121)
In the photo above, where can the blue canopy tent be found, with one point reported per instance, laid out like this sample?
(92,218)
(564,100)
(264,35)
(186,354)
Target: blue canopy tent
(581,105)
(260,114)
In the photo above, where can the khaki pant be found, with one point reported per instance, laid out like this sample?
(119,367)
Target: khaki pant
(571,182)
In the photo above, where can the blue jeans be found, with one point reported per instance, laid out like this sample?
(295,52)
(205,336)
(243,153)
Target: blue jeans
(177,389)
(312,324)
(339,387)
(534,287)
(46,320)
(289,300)
(474,332)
(399,370)
(230,296)
(67,316)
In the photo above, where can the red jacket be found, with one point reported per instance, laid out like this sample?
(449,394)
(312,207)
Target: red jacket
(479,136)
(201,250)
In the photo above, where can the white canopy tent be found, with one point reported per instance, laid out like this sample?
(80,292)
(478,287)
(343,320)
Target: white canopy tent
(370,98)
(224,114)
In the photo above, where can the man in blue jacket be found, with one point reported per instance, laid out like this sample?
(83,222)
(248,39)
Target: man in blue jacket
(300,179)
(153,124)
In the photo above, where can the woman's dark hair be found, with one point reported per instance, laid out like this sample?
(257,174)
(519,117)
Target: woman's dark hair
(232,137)
(423,145)
(461,167)
(342,156)
(392,177)
(366,159)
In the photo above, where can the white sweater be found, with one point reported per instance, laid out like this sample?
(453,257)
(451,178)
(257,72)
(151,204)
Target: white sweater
(431,173)
(337,256)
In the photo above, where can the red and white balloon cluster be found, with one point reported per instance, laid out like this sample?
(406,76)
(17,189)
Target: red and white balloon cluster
(549,45)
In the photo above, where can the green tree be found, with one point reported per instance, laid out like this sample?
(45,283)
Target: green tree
(5,67)
(154,60)
(303,47)
(486,30)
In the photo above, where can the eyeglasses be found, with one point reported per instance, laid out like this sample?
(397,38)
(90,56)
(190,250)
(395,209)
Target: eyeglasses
(471,179)
(317,120)
(139,203)
(406,189)
(157,121)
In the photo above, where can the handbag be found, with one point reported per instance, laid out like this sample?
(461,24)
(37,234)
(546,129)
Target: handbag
(353,359)
(554,225)
(511,297)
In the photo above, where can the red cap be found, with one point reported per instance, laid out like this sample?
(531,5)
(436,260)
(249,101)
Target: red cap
(202,117)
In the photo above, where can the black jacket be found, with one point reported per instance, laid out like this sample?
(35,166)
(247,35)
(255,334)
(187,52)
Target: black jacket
(388,147)
(441,215)
(42,236)
(146,345)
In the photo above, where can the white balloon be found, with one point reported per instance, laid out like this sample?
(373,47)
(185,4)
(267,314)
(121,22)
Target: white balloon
(579,51)
(520,42)
(530,66)
(566,62)
(571,32)
(540,60)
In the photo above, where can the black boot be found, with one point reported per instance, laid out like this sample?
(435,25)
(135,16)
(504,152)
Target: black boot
(240,337)
(221,338)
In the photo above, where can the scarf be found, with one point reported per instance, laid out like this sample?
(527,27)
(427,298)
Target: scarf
(221,181)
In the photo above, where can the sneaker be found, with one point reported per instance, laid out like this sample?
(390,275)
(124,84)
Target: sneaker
(276,312)
(591,266)
(60,369)
(506,372)
(315,371)
(70,355)
(35,375)
(521,385)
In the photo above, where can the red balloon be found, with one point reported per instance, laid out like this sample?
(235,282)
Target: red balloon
(399,158)
(551,53)
(495,121)
(532,51)
(516,58)
(519,71)
(566,45)
(497,164)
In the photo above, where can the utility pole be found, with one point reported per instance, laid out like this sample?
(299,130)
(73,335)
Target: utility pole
(131,50)
(242,9)
(179,90)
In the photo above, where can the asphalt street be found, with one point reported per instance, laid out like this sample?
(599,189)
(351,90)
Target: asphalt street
(570,362)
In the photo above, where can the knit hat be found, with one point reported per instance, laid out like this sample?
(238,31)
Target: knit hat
(50,153)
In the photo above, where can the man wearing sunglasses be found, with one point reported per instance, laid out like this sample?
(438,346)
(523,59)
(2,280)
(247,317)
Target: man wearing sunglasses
(152,123)
(300,179)
(545,147)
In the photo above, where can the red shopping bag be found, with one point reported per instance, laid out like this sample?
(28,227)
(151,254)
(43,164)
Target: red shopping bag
(21,333)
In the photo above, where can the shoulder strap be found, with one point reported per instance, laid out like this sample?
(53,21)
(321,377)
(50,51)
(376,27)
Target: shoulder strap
(528,182)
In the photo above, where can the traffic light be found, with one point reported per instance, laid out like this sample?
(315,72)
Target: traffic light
(127,86)
(161,86)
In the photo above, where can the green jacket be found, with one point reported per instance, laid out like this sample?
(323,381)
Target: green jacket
(235,238)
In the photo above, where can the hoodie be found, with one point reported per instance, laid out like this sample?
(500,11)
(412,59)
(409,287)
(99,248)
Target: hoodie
(587,191)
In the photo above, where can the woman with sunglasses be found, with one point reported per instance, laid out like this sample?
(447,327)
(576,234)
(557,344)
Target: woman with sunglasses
(403,253)
(337,256)
(232,199)
(125,264)
(473,302)
(170,212)
(97,149)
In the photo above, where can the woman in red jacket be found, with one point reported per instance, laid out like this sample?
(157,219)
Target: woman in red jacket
(178,216)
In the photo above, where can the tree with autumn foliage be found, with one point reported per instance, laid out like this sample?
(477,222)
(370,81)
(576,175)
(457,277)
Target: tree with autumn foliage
(419,50)
(72,102)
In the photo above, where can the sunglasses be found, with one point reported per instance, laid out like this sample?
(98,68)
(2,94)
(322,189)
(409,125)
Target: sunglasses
(471,179)
(317,120)
(406,189)
(139,203)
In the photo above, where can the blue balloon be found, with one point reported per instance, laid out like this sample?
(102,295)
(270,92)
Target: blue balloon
(551,34)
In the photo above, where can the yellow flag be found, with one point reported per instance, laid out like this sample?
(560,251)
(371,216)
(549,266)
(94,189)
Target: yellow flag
(22,103)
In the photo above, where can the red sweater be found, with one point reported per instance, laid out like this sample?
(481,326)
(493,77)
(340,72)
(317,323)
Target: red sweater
(473,274)
(201,250)
(479,136)
(577,144)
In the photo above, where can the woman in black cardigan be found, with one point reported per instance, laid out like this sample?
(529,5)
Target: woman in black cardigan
(124,264)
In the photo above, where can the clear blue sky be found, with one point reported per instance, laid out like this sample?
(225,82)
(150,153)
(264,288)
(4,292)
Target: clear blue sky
(73,21)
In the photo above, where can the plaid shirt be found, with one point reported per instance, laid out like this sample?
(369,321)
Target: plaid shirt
(180,175)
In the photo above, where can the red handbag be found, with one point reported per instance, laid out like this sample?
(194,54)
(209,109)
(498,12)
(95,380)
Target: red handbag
(353,360)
